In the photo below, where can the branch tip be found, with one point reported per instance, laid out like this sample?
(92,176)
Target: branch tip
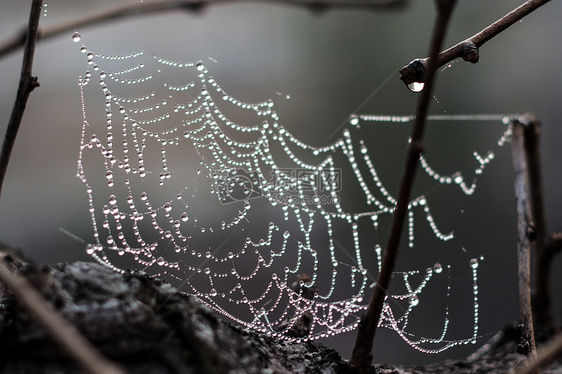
(470,52)
(413,72)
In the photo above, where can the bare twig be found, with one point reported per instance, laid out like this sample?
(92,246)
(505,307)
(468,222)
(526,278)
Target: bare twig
(525,232)
(552,350)
(152,7)
(542,304)
(60,330)
(26,85)
(362,352)
(468,49)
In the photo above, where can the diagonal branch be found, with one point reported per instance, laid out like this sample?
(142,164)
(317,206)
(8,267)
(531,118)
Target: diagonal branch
(152,7)
(26,85)
(60,330)
(362,352)
(415,71)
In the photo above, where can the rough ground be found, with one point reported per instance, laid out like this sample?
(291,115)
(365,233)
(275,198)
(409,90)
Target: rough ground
(146,326)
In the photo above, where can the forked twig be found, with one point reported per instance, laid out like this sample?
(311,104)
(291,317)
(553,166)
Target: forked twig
(362,352)
(468,49)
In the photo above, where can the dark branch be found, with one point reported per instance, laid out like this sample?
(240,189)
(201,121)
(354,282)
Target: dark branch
(152,7)
(542,304)
(554,243)
(362,352)
(26,85)
(525,231)
(546,355)
(468,49)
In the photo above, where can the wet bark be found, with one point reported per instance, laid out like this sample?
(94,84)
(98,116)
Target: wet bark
(146,326)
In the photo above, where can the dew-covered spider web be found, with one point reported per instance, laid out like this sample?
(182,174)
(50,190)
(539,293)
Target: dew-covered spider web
(215,195)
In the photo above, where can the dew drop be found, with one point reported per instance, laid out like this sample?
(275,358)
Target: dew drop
(416,86)
(160,261)
(437,268)
(473,263)
(76,37)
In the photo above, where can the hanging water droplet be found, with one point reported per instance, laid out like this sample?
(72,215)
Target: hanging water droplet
(473,263)
(160,261)
(437,268)
(416,86)
(76,37)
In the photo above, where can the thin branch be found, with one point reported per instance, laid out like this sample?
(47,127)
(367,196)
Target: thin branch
(468,49)
(542,304)
(152,7)
(60,330)
(554,243)
(26,85)
(525,232)
(43,312)
(547,354)
(362,352)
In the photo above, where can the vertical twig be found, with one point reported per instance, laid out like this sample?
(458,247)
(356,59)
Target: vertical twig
(26,85)
(362,351)
(525,232)
(541,290)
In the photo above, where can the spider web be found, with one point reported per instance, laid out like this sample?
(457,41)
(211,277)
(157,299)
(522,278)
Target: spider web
(270,255)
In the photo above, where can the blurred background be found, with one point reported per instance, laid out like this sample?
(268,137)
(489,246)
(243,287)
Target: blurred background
(329,63)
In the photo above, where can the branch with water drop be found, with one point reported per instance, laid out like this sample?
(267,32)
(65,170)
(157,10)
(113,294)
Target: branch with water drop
(416,72)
